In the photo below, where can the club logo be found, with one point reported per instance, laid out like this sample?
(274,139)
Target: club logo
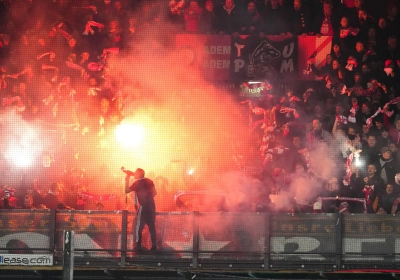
(260,61)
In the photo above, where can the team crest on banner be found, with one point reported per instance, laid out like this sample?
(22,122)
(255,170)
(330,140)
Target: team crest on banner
(266,57)
(314,49)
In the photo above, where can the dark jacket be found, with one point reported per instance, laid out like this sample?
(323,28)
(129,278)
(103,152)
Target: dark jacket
(387,170)
(208,22)
(51,201)
(145,191)
(335,20)
(300,21)
(228,22)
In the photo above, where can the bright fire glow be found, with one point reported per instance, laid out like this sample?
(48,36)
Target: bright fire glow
(129,135)
(23,150)
(20,157)
(191,171)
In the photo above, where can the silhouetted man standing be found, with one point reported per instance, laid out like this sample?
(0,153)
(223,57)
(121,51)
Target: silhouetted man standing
(146,214)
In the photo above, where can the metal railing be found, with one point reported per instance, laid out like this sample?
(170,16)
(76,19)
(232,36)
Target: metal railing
(208,240)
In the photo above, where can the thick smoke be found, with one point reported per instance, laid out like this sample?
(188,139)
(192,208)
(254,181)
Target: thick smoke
(304,188)
(22,144)
(189,125)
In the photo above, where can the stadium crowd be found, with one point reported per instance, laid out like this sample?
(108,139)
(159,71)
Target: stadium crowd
(54,64)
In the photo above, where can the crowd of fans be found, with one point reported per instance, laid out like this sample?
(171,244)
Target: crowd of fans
(54,64)
(340,138)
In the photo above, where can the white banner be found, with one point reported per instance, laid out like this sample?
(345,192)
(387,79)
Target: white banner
(26,259)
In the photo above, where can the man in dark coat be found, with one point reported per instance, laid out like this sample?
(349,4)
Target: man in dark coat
(387,167)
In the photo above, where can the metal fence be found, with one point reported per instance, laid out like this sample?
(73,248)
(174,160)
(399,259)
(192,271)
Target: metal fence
(266,241)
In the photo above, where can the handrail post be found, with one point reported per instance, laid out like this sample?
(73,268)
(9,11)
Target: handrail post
(195,238)
(68,255)
(52,226)
(124,236)
(267,247)
(339,228)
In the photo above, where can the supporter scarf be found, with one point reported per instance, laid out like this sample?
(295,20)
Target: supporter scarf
(108,51)
(277,151)
(95,66)
(104,197)
(63,33)
(89,29)
(267,158)
(93,91)
(384,110)
(176,6)
(395,205)
(288,110)
(341,119)
(42,55)
(8,192)
(351,63)
(354,109)
(267,138)
(74,66)
(351,119)
(9,100)
(258,111)
(349,161)
(344,208)
(78,67)
(93,8)
(320,200)
(368,190)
